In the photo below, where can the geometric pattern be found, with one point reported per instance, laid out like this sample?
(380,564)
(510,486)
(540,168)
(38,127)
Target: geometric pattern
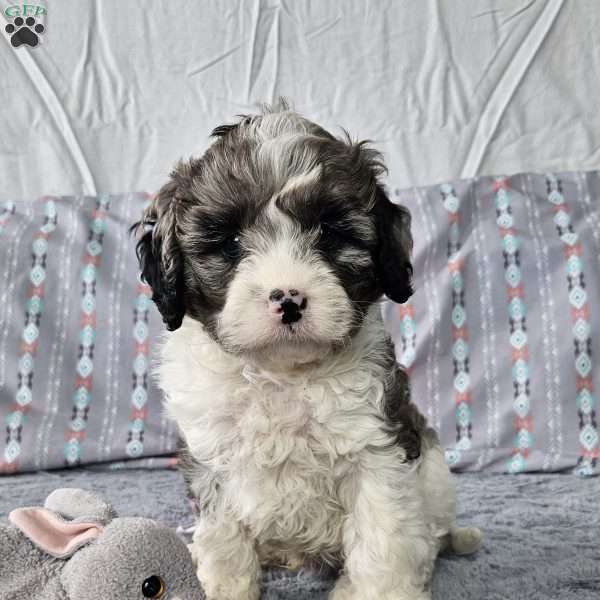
(76,338)
(30,337)
(562,326)
(460,336)
(408,336)
(530,273)
(82,396)
(139,393)
(523,421)
(581,330)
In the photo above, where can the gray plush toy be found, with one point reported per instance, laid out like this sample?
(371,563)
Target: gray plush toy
(75,548)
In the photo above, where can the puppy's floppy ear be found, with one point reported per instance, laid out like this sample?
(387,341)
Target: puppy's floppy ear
(160,257)
(394,269)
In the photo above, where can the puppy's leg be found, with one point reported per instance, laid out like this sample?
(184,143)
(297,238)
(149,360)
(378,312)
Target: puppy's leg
(388,544)
(439,499)
(226,558)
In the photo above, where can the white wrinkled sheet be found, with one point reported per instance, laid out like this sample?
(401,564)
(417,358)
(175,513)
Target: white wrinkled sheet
(120,90)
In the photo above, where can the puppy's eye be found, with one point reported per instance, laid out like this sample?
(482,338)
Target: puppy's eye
(232,247)
(153,587)
(327,233)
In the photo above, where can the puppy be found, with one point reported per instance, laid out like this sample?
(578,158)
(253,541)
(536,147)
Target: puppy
(267,258)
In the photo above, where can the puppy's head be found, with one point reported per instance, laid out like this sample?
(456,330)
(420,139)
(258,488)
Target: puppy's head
(278,239)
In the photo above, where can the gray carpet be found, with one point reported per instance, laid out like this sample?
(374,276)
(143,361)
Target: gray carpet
(541,532)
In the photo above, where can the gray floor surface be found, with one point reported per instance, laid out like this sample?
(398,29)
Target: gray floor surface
(541,532)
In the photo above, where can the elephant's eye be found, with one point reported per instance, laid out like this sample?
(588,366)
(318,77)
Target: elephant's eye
(153,587)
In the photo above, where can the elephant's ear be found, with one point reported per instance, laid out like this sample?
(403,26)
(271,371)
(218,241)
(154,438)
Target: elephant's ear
(51,533)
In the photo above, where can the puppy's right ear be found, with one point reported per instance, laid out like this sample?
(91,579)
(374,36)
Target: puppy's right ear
(160,256)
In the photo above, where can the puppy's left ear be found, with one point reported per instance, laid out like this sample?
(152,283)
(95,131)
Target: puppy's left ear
(394,269)
(160,257)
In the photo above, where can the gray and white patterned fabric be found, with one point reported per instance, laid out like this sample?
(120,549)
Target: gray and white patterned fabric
(76,324)
(502,337)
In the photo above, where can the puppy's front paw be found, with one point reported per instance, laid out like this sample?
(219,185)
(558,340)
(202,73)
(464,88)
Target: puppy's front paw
(220,586)
(345,590)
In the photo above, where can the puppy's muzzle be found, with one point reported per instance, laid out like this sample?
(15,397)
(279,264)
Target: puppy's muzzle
(287,305)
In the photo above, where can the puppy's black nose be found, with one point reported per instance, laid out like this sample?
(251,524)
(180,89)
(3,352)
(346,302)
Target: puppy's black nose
(287,304)
(291,312)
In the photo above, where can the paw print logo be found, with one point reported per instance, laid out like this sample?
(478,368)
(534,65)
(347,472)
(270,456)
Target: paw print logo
(24,31)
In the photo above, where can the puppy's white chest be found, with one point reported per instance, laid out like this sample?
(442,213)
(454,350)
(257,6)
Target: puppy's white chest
(293,451)
(282,449)
(295,423)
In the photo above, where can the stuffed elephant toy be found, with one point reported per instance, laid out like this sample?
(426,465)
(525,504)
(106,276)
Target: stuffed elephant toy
(75,548)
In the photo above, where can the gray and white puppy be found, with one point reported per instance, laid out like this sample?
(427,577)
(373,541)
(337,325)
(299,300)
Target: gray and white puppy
(267,257)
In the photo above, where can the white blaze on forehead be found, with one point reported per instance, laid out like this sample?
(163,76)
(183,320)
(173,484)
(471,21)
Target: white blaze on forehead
(285,157)
(283,223)
(302,180)
(297,182)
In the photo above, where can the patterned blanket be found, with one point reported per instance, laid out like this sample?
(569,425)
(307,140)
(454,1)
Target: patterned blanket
(499,339)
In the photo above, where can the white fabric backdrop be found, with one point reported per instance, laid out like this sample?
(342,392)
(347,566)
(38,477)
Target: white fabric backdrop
(119,90)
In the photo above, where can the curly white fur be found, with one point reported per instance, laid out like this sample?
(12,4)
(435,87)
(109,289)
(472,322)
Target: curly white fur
(303,468)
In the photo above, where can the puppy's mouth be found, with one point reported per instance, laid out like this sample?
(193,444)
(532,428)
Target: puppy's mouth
(294,333)
(290,346)
(277,334)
